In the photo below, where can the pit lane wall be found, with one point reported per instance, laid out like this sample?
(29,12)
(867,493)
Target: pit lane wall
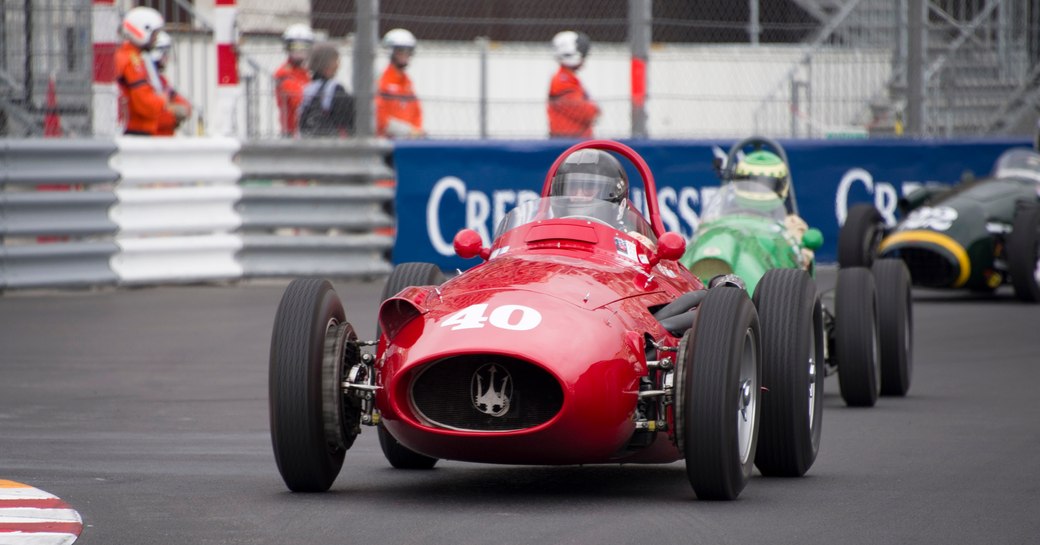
(446,186)
(138,211)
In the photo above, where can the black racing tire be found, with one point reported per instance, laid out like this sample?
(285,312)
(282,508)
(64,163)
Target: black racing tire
(400,456)
(859,237)
(411,274)
(895,325)
(791,317)
(856,343)
(403,276)
(308,447)
(722,388)
(1023,252)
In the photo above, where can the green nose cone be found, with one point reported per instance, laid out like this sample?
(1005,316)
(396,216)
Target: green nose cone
(812,239)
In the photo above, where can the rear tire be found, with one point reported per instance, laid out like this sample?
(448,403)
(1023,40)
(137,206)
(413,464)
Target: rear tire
(309,431)
(791,317)
(403,276)
(856,337)
(895,325)
(859,237)
(1023,252)
(722,380)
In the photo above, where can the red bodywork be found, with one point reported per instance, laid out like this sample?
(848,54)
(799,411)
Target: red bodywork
(558,295)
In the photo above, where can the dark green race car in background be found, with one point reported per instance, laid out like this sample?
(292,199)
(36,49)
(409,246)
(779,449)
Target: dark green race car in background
(976,235)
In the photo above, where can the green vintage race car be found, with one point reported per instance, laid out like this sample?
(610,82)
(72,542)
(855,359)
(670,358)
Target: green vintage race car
(750,230)
(976,235)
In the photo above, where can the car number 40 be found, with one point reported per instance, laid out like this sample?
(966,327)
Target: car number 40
(512,317)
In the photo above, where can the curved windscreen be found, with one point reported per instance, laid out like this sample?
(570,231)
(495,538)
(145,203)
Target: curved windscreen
(620,217)
(744,198)
(1018,163)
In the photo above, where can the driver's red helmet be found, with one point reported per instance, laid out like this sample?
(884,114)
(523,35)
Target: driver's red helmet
(591,173)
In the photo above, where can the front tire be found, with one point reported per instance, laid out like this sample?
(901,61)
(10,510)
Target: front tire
(791,317)
(859,237)
(403,276)
(895,328)
(1023,252)
(311,425)
(856,337)
(721,382)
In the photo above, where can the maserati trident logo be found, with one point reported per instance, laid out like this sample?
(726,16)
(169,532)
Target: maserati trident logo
(491,388)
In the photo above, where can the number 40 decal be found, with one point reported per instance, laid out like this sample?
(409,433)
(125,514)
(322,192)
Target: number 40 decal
(512,317)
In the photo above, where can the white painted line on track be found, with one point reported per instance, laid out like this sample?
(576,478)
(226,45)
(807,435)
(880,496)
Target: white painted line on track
(30,516)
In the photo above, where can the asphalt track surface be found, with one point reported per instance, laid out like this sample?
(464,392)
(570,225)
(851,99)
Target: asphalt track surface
(146,410)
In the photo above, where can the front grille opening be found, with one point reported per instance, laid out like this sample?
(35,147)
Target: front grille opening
(485,393)
(929,268)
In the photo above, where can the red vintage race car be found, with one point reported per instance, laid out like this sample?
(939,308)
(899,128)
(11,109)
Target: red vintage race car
(579,339)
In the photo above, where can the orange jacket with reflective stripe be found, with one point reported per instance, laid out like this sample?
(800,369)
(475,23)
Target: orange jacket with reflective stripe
(289,84)
(396,99)
(571,111)
(144,104)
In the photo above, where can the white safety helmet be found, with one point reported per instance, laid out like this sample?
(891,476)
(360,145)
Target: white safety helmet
(298,40)
(140,23)
(161,50)
(399,38)
(570,47)
(298,32)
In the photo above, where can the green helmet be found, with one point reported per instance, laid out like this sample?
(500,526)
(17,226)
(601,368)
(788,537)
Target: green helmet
(768,170)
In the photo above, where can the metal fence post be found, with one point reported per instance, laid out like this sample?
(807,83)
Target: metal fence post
(640,23)
(482,44)
(915,67)
(365,37)
(754,27)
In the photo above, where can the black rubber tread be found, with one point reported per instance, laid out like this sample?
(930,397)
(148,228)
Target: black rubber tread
(791,318)
(895,325)
(713,463)
(306,461)
(403,276)
(400,456)
(858,237)
(411,274)
(856,339)
(1022,251)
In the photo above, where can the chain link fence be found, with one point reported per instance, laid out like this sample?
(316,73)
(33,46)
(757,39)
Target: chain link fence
(715,68)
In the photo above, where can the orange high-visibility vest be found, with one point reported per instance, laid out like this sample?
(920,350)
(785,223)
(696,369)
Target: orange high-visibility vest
(571,111)
(396,99)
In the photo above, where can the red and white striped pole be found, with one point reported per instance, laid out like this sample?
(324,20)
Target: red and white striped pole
(105,35)
(228,114)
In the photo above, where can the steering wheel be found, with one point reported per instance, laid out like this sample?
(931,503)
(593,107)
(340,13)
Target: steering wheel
(587,218)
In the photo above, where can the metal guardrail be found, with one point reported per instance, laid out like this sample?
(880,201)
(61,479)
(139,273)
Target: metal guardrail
(321,160)
(139,211)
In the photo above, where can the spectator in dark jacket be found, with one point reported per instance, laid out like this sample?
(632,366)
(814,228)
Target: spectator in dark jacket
(327,108)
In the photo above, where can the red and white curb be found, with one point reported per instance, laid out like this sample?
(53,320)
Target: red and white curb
(30,516)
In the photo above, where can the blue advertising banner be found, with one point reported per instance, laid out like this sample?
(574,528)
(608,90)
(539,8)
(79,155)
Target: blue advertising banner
(443,187)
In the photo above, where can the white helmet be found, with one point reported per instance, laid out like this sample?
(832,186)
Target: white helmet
(570,47)
(298,32)
(161,50)
(399,37)
(140,23)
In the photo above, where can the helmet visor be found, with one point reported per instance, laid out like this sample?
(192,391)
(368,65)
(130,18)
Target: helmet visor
(582,184)
(763,187)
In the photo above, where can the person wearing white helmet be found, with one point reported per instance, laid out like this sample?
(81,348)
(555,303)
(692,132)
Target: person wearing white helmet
(571,112)
(398,110)
(179,108)
(139,85)
(292,76)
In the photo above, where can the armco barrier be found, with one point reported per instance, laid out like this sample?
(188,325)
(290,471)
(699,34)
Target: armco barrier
(71,216)
(178,210)
(322,160)
(312,207)
(446,186)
